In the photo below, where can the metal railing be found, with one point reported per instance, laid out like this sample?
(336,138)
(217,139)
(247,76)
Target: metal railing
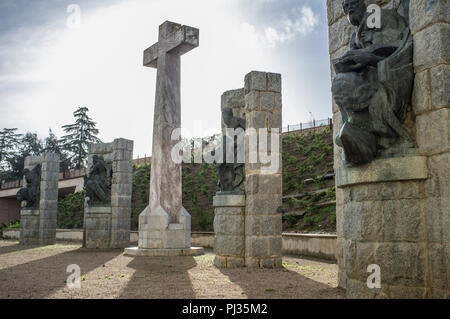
(308,125)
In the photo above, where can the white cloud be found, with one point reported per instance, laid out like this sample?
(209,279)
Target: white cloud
(301,21)
(100,66)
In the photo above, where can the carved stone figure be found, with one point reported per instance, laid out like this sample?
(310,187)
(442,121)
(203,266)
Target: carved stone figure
(231,175)
(373,85)
(98,182)
(31,192)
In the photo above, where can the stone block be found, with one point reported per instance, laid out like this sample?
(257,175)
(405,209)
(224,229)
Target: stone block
(403,220)
(229,224)
(235,262)
(275,245)
(421,98)
(122,155)
(255,81)
(402,264)
(275,120)
(230,211)
(401,292)
(48,205)
(437,259)
(265,204)
(363,221)
(263,184)
(431,46)
(267,101)
(229,200)
(49,194)
(49,184)
(267,263)
(252,262)
(349,260)
(120,201)
(256,119)
(440,84)
(339,34)
(175,238)
(121,189)
(229,245)
(122,178)
(257,246)
(50,166)
(220,262)
(423,13)
(334,11)
(252,101)
(51,157)
(278,102)
(434,219)
(123,144)
(274,82)
(384,169)
(122,167)
(121,212)
(184,218)
(433,131)
(233,98)
(358,290)
(157,219)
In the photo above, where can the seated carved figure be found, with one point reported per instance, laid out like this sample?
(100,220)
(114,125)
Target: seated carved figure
(31,192)
(231,175)
(98,182)
(373,85)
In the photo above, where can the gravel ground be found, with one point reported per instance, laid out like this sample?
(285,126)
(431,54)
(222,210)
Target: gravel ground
(40,272)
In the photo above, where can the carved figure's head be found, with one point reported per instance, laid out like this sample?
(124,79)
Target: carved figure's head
(27,174)
(350,89)
(355,10)
(227,115)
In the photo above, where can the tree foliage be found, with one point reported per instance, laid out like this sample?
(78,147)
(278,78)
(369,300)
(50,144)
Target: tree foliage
(9,141)
(80,134)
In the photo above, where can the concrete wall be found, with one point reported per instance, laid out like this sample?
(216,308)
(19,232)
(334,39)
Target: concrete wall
(311,245)
(9,210)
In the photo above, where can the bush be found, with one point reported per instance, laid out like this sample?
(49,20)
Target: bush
(71,211)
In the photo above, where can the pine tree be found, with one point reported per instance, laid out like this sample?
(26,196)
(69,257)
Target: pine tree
(9,141)
(28,145)
(80,134)
(53,145)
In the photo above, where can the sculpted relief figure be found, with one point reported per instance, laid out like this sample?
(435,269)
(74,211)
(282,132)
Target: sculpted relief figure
(231,175)
(31,192)
(98,182)
(373,85)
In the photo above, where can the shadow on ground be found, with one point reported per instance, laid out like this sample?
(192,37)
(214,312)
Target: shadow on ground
(41,277)
(160,278)
(15,246)
(281,283)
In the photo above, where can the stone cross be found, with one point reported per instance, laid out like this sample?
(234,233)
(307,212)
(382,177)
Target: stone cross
(165,55)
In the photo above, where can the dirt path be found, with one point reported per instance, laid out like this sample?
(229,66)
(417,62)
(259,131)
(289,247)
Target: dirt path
(41,273)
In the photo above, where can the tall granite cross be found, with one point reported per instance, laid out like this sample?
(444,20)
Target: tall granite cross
(165,55)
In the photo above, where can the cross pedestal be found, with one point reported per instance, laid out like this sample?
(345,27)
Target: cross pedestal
(165,226)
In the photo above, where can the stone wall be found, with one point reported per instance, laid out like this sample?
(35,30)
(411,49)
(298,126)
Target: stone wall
(108,225)
(401,223)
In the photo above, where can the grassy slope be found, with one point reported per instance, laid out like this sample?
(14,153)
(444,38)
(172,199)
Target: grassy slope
(307,158)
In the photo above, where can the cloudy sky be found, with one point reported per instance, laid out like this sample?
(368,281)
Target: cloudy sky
(50,64)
